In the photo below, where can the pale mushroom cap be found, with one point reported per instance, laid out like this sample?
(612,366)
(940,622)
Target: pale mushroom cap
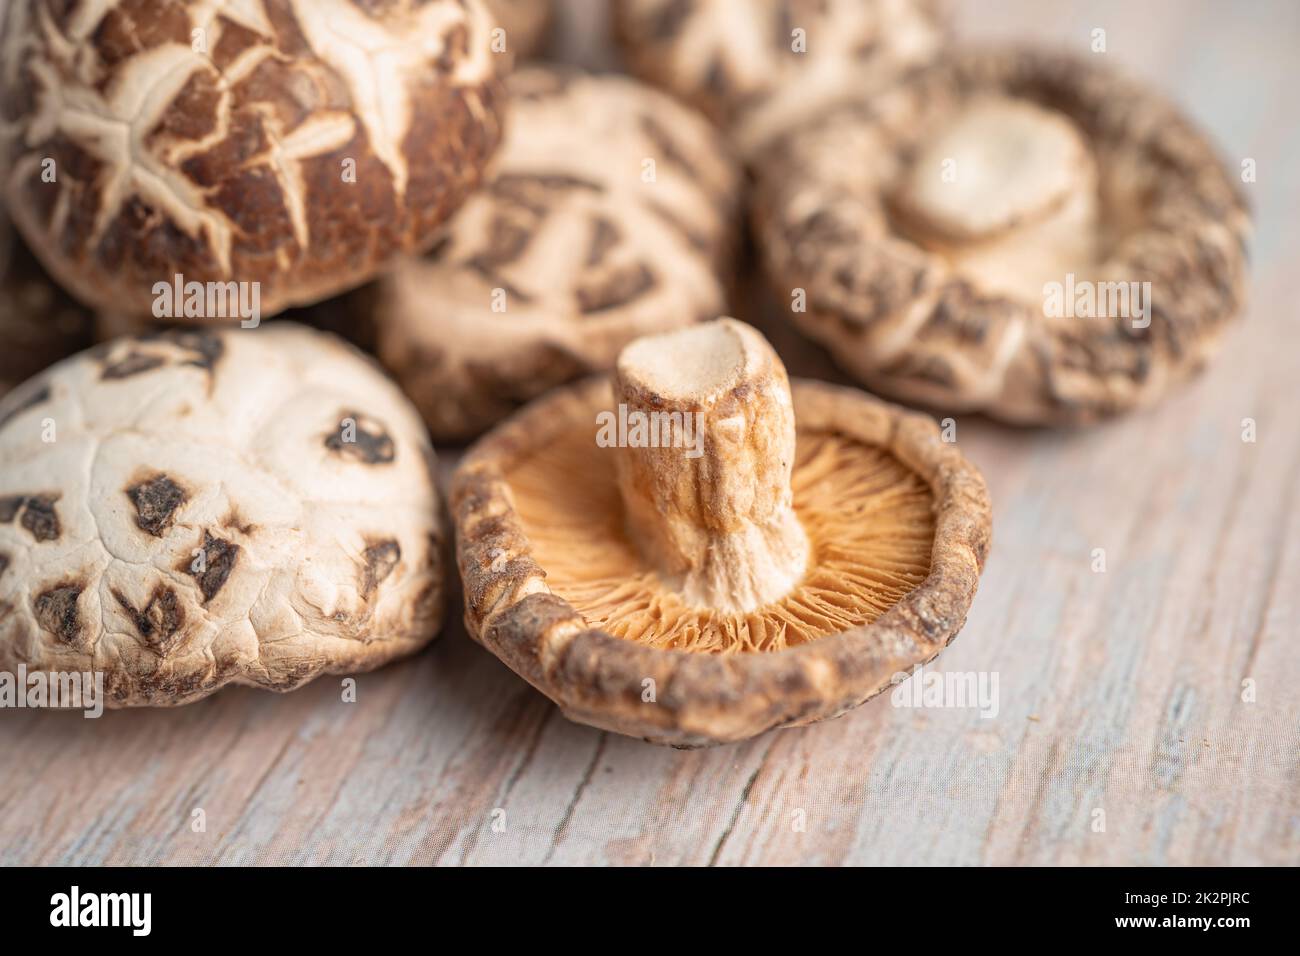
(191,509)
(298,144)
(610,215)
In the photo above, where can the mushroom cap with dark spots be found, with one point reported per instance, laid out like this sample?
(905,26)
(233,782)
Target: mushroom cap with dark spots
(188,529)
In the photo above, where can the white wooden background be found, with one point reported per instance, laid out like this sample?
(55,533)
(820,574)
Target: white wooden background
(1119,691)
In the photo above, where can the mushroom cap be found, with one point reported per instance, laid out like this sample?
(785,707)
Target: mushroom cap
(526,22)
(245,506)
(736,59)
(931,294)
(298,144)
(577,246)
(39,322)
(898,523)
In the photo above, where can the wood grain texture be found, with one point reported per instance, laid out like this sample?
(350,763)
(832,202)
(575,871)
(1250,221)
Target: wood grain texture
(1119,691)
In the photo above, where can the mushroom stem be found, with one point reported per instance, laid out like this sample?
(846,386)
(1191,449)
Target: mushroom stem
(705,471)
(1001,165)
(1008,194)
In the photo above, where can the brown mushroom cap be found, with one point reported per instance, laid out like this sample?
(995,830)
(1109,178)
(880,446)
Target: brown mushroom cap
(758,67)
(988,191)
(560,586)
(611,214)
(298,144)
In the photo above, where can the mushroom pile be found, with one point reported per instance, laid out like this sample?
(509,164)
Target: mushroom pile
(657,527)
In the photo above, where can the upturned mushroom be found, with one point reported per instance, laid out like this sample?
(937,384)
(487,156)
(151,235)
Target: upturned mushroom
(760,67)
(191,509)
(293,146)
(698,552)
(611,214)
(1020,233)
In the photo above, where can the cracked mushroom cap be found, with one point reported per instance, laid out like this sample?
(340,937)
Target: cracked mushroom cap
(39,322)
(780,564)
(192,509)
(610,215)
(988,247)
(759,67)
(526,22)
(298,144)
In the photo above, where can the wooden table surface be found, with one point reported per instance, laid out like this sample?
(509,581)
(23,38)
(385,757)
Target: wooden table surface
(1120,691)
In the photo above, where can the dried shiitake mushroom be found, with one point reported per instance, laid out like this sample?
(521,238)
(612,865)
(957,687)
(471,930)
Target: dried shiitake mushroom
(611,214)
(39,323)
(708,577)
(759,67)
(526,23)
(987,245)
(197,508)
(297,144)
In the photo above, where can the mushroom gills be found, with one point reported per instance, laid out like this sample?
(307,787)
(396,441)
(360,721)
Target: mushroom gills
(760,542)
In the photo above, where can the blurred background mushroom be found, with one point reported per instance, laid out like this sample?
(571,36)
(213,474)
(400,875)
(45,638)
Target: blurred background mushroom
(1022,232)
(759,68)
